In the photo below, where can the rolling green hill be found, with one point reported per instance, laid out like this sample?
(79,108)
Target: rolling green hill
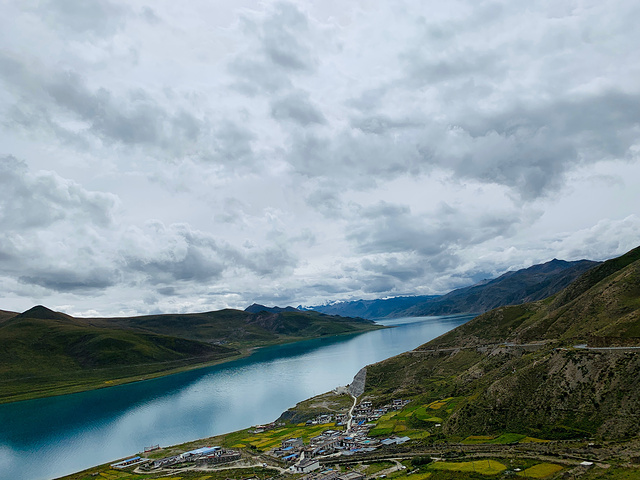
(43,352)
(517,369)
(5,315)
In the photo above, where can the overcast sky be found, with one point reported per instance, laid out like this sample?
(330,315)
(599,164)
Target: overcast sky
(167,156)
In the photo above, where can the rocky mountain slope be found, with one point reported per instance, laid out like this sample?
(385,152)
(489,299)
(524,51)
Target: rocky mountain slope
(517,369)
(512,288)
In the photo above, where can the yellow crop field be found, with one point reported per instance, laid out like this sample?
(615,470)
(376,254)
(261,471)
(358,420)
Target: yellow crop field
(533,440)
(485,467)
(272,438)
(541,470)
(414,476)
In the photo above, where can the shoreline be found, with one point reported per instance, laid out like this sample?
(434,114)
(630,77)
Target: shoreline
(99,384)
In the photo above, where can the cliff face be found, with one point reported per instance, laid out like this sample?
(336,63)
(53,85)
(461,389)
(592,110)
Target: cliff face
(356,388)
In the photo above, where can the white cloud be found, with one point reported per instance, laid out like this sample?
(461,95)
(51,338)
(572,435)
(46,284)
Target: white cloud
(167,158)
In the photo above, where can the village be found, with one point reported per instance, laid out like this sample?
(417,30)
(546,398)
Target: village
(346,434)
(338,442)
(334,439)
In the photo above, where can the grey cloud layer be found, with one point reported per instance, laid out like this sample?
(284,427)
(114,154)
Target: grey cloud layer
(302,153)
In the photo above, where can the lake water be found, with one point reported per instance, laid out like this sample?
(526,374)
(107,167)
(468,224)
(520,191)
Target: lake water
(51,437)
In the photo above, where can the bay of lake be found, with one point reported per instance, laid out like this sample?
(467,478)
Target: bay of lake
(50,437)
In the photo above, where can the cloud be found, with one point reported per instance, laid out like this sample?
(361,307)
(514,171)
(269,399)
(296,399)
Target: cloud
(277,49)
(389,228)
(297,108)
(37,200)
(211,156)
(100,17)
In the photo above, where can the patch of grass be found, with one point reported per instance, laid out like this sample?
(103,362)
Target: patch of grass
(541,470)
(380,432)
(376,467)
(475,439)
(422,414)
(414,434)
(612,473)
(484,467)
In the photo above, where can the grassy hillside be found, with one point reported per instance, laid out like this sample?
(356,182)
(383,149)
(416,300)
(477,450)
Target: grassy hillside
(604,303)
(238,327)
(46,353)
(515,369)
(513,288)
(5,315)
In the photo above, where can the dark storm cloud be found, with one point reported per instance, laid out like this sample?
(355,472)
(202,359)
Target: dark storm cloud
(31,200)
(382,124)
(232,144)
(282,36)
(278,49)
(403,271)
(326,200)
(378,284)
(33,206)
(71,280)
(194,265)
(176,253)
(133,119)
(389,228)
(296,107)
(530,148)
(353,157)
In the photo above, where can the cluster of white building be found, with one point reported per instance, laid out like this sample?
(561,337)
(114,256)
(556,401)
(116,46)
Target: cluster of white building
(339,419)
(200,456)
(364,411)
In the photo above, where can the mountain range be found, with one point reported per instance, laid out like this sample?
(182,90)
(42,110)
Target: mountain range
(514,287)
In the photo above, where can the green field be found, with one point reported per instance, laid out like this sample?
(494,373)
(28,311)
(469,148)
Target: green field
(483,467)
(504,439)
(107,473)
(273,438)
(415,420)
(542,470)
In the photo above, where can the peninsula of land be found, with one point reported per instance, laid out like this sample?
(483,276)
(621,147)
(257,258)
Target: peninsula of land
(47,353)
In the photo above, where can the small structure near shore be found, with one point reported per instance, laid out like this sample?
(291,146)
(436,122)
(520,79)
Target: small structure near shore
(129,462)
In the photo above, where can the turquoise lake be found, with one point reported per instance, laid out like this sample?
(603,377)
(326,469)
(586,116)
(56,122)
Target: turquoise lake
(56,436)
